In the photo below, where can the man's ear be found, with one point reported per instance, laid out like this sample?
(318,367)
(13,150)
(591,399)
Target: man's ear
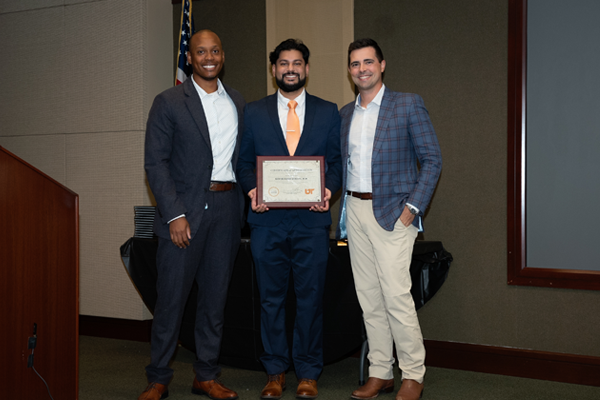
(382,66)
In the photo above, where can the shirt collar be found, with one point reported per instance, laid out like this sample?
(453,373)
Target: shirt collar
(377,100)
(202,92)
(283,101)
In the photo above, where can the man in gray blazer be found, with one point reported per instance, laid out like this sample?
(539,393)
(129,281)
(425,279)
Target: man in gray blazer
(383,135)
(192,144)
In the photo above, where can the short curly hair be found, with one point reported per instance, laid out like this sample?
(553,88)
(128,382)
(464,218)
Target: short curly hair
(290,44)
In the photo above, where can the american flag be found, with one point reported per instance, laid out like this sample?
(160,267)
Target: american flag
(184,70)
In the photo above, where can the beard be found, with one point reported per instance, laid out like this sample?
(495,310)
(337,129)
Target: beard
(290,88)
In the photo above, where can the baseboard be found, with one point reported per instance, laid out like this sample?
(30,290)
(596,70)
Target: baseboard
(558,367)
(115,328)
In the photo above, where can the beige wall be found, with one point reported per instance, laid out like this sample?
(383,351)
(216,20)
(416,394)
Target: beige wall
(74,97)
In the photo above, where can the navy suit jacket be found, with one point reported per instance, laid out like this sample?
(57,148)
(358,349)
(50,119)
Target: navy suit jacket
(263,136)
(178,155)
(404,134)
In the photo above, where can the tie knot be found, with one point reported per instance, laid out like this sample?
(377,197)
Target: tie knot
(292,104)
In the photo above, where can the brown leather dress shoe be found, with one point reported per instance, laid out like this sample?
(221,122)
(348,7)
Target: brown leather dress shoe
(213,389)
(154,391)
(410,390)
(373,388)
(274,387)
(307,389)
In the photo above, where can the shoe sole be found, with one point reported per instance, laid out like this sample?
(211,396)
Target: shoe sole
(421,395)
(382,391)
(274,397)
(203,393)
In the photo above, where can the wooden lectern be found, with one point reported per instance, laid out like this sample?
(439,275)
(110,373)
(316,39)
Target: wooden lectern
(39,283)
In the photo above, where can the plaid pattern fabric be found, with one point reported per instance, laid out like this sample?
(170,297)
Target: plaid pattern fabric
(404,135)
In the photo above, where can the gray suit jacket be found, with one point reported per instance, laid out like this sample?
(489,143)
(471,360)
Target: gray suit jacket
(178,155)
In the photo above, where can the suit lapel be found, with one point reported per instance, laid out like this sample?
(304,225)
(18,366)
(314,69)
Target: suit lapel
(310,111)
(345,128)
(194,105)
(383,120)
(239,107)
(274,117)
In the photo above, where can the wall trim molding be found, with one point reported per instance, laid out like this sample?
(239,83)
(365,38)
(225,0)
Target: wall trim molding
(523,363)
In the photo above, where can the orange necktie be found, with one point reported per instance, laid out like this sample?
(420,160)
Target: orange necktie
(292,133)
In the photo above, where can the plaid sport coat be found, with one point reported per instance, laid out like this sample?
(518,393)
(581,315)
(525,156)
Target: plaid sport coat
(404,135)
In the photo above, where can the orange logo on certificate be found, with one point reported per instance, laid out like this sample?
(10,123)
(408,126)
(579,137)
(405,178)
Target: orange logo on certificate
(273,191)
(309,191)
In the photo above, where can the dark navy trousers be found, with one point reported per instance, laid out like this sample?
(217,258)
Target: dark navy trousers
(208,260)
(291,248)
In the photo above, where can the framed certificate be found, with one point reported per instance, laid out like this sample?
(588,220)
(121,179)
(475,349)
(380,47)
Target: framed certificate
(290,182)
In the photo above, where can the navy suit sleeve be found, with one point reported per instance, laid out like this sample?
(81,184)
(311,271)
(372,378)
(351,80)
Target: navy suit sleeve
(158,145)
(246,163)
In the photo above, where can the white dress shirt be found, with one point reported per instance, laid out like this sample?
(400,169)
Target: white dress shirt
(360,143)
(222,121)
(283,109)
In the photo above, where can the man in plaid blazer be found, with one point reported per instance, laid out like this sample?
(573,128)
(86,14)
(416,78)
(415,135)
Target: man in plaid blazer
(383,135)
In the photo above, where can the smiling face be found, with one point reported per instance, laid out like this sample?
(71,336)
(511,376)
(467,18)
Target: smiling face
(366,70)
(290,72)
(206,57)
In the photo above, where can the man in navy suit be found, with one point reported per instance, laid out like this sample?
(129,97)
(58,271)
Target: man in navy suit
(291,241)
(192,144)
(383,135)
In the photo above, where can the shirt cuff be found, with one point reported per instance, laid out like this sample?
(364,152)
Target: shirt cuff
(181,216)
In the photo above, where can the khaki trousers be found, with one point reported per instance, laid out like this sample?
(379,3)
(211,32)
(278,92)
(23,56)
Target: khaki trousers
(380,263)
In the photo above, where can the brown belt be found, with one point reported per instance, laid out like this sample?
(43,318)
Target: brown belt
(220,186)
(362,196)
